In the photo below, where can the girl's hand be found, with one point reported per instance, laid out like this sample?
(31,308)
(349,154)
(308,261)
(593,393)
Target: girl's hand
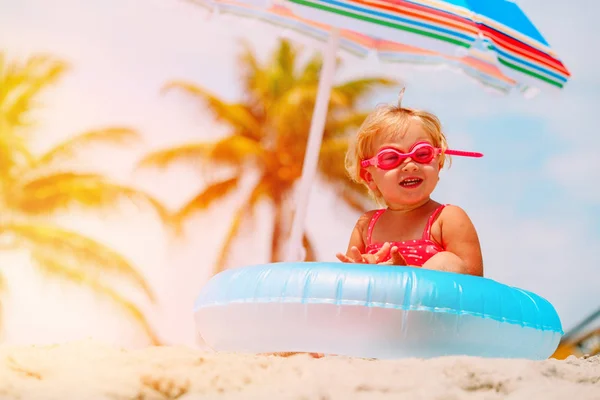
(395,257)
(356,257)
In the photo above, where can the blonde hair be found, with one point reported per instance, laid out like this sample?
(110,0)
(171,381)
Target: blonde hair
(385,123)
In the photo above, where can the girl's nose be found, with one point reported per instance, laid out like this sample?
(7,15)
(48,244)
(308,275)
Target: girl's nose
(409,165)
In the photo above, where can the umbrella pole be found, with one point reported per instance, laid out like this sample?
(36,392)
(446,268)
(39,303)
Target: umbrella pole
(295,250)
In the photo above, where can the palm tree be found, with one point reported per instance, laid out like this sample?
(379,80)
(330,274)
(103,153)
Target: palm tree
(33,187)
(268,133)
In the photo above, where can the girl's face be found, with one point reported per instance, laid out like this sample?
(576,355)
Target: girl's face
(410,184)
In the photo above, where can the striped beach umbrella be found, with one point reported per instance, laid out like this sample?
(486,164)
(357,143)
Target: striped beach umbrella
(448,26)
(477,64)
(491,40)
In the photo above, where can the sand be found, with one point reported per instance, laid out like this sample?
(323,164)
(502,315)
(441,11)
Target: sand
(91,370)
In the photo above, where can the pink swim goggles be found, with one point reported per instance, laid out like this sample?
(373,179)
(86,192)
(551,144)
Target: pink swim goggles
(421,152)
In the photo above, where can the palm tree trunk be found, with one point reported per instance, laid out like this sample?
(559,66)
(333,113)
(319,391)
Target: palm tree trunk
(242,212)
(277,230)
(310,250)
(220,264)
(280,225)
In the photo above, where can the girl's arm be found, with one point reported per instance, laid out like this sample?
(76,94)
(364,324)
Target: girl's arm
(356,246)
(459,238)
(356,238)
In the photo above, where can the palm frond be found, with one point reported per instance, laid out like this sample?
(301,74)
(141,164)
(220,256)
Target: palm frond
(14,151)
(57,191)
(311,71)
(77,250)
(268,84)
(284,58)
(281,70)
(339,126)
(111,135)
(242,212)
(305,95)
(291,115)
(254,81)
(236,115)
(235,150)
(59,269)
(356,89)
(21,83)
(192,153)
(205,199)
(232,150)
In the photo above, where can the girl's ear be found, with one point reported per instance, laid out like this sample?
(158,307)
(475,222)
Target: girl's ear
(368,178)
(365,175)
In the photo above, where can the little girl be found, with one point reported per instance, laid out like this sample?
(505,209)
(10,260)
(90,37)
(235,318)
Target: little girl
(398,153)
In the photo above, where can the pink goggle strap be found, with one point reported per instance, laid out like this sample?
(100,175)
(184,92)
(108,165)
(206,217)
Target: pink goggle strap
(463,153)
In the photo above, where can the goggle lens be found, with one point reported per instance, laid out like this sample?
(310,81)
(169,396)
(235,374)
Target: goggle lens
(391,158)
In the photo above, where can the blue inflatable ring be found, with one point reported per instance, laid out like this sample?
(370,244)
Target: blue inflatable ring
(368,311)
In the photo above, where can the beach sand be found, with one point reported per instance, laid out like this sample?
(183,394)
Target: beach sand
(92,370)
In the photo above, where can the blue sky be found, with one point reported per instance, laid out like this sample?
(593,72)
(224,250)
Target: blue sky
(534,197)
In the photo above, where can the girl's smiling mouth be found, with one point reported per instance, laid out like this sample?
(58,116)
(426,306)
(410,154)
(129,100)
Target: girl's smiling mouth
(411,182)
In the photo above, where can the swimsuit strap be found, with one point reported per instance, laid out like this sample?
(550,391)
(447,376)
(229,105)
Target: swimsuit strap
(427,231)
(374,219)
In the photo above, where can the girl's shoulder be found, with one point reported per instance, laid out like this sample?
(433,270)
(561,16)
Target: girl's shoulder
(365,219)
(453,211)
(452,218)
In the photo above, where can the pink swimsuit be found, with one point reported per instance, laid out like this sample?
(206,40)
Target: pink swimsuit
(415,252)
